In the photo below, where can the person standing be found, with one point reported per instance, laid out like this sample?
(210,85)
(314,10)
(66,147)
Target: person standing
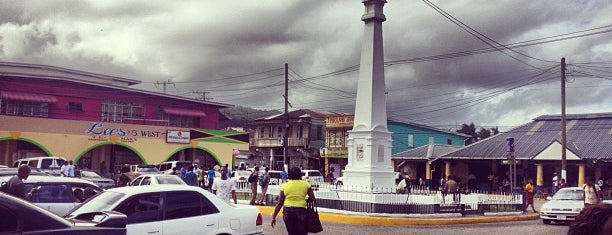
(443,189)
(283,176)
(451,187)
(16,187)
(191,178)
(225,188)
(292,199)
(403,187)
(211,177)
(253,179)
(264,186)
(65,169)
(70,169)
(529,192)
(201,177)
(591,192)
(555,184)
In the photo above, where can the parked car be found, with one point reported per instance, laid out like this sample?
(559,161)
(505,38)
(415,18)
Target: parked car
(96,178)
(49,164)
(314,177)
(241,178)
(22,217)
(56,194)
(275,177)
(13,171)
(156,179)
(174,209)
(166,167)
(3,166)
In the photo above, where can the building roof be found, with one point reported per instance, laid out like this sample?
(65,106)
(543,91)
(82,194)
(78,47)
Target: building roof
(588,137)
(423,126)
(301,113)
(422,152)
(36,71)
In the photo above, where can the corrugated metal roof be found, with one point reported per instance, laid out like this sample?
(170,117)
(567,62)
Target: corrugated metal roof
(420,153)
(589,138)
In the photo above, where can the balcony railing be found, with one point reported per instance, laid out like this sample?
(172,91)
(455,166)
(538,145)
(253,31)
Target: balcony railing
(275,142)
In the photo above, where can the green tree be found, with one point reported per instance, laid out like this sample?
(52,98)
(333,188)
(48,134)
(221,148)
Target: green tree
(469,129)
(484,133)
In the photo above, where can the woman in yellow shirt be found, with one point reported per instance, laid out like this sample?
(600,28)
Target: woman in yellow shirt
(292,199)
(529,192)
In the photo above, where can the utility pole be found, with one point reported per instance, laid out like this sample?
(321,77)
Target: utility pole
(203,93)
(164,83)
(563,128)
(285,137)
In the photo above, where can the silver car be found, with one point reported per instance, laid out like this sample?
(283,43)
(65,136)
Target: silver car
(96,178)
(564,206)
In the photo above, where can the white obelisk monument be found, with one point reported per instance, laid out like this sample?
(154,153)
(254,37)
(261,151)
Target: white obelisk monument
(369,143)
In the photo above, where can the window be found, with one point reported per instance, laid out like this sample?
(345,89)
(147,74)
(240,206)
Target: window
(411,141)
(270,132)
(261,132)
(141,208)
(8,223)
(187,204)
(34,164)
(116,111)
(24,108)
(146,181)
(280,132)
(300,131)
(78,107)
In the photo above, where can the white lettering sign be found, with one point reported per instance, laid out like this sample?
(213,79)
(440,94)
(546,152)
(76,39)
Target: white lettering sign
(182,137)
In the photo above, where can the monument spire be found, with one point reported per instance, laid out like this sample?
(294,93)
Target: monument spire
(369,144)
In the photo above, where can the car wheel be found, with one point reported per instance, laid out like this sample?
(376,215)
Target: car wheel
(546,221)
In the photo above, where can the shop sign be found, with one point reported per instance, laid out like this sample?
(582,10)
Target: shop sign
(98,131)
(182,137)
(337,121)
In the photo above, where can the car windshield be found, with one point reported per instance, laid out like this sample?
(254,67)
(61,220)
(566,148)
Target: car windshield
(147,169)
(99,202)
(90,174)
(573,194)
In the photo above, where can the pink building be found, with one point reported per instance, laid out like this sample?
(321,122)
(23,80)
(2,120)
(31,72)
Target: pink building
(93,118)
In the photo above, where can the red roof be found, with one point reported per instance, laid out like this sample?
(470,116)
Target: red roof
(184,112)
(10,95)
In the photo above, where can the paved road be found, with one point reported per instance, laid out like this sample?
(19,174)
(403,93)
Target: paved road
(506,228)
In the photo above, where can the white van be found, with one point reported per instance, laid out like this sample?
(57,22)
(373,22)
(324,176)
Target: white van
(166,167)
(48,164)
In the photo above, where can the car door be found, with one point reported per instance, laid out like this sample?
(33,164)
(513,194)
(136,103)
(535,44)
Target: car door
(57,198)
(143,213)
(189,212)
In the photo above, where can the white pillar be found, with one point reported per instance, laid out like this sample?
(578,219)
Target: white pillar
(369,144)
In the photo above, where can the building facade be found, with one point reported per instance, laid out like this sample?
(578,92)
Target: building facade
(305,137)
(99,121)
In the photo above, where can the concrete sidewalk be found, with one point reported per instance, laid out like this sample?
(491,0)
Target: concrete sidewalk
(347,217)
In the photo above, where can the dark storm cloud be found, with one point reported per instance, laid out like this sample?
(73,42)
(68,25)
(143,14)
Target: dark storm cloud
(196,43)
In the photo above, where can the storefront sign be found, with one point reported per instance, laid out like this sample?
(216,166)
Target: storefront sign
(337,121)
(99,131)
(182,137)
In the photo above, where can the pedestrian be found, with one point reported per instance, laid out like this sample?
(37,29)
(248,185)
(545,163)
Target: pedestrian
(253,179)
(264,185)
(555,184)
(292,199)
(65,169)
(451,187)
(70,169)
(443,189)
(191,178)
(592,192)
(201,177)
(283,176)
(403,187)
(596,219)
(562,183)
(15,186)
(225,188)
(529,192)
(229,172)
(211,177)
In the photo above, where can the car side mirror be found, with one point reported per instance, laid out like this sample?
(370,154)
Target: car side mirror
(109,219)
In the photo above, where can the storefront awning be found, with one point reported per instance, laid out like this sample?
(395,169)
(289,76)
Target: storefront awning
(10,95)
(184,112)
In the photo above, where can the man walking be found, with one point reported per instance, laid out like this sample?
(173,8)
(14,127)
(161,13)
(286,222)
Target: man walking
(225,188)
(15,185)
(264,186)
(253,179)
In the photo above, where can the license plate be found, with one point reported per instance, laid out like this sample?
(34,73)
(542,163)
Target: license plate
(561,217)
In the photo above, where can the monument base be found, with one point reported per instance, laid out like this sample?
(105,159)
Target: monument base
(370,180)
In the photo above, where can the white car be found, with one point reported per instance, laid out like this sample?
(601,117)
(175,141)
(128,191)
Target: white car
(564,206)
(156,180)
(93,176)
(56,194)
(314,177)
(174,209)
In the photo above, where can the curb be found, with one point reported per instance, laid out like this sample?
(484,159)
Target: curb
(369,220)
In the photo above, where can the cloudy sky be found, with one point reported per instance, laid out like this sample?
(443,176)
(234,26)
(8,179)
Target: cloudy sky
(494,63)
